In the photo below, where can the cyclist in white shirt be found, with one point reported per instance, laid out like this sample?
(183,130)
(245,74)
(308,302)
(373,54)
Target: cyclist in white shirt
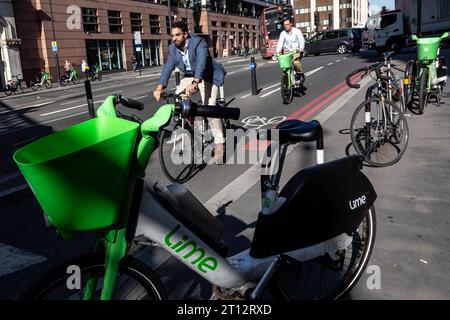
(291,39)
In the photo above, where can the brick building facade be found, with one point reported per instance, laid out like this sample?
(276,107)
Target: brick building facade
(102,31)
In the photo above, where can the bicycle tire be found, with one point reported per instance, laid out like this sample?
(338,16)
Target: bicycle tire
(423,84)
(283,285)
(409,88)
(75,80)
(8,90)
(34,86)
(180,172)
(93,263)
(287,93)
(48,84)
(374,151)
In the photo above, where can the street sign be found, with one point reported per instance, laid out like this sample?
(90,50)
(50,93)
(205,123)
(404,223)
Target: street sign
(138,48)
(137,38)
(251,66)
(54,46)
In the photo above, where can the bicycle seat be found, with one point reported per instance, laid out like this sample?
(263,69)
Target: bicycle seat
(294,131)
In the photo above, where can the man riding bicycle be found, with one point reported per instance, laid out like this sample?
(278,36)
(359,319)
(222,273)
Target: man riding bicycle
(190,54)
(291,39)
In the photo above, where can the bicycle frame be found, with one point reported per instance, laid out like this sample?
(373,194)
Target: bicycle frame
(164,229)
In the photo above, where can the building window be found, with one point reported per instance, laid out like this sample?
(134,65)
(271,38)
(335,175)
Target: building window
(223,24)
(445,10)
(150,55)
(232,25)
(345,6)
(303,10)
(136,22)
(115,21)
(253,27)
(324,22)
(330,8)
(90,19)
(154,24)
(214,23)
(322,8)
(105,53)
(302,24)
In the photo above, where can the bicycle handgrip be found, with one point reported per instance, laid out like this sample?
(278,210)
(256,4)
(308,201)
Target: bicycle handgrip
(131,103)
(350,75)
(214,112)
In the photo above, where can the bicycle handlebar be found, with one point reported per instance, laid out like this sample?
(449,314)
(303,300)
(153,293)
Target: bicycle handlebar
(130,103)
(212,112)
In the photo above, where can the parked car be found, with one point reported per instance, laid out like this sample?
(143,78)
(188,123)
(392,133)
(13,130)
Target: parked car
(340,41)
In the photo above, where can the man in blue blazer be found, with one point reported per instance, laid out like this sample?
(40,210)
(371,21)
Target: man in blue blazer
(190,54)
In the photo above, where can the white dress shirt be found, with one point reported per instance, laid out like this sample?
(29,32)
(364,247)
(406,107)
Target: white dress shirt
(185,56)
(291,41)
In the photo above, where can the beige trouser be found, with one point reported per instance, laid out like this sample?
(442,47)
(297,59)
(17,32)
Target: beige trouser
(297,64)
(209,93)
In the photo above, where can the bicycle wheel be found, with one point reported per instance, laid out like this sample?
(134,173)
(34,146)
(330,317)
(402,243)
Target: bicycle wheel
(326,277)
(135,281)
(287,91)
(8,90)
(409,83)
(176,153)
(48,84)
(379,132)
(76,80)
(34,86)
(423,86)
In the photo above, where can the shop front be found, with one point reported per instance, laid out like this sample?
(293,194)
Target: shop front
(149,54)
(105,53)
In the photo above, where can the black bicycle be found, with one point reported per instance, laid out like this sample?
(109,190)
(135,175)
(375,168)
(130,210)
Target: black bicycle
(378,128)
(181,147)
(14,85)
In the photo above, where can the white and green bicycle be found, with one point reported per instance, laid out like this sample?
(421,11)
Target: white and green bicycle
(312,240)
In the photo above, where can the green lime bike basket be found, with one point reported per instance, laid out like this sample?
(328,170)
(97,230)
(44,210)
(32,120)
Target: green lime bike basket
(79,174)
(427,48)
(285,61)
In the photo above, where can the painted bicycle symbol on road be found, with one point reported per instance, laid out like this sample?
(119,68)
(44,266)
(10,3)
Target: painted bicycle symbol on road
(257,122)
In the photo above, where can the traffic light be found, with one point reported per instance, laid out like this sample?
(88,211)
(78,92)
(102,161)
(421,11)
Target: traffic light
(280,14)
(316,18)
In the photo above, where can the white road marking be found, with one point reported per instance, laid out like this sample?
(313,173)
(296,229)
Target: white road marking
(276,84)
(10,177)
(243,183)
(313,71)
(84,99)
(338,60)
(329,64)
(270,92)
(228,73)
(14,259)
(142,97)
(246,96)
(344,58)
(67,109)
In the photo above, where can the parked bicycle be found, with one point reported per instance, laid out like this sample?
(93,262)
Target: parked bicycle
(43,79)
(291,82)
(181,150)
(427,75)
(72,78)
(319,254)
(378,128)
(96,73)
(14,85)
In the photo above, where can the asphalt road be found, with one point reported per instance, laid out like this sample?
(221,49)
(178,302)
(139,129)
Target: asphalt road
(412,208)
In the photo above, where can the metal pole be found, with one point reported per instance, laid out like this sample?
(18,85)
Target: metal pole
(54,39)
(253,76)
(170,15)
(419,18)
(90,100)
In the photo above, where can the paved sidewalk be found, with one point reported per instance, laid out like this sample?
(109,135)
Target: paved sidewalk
(111,77)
